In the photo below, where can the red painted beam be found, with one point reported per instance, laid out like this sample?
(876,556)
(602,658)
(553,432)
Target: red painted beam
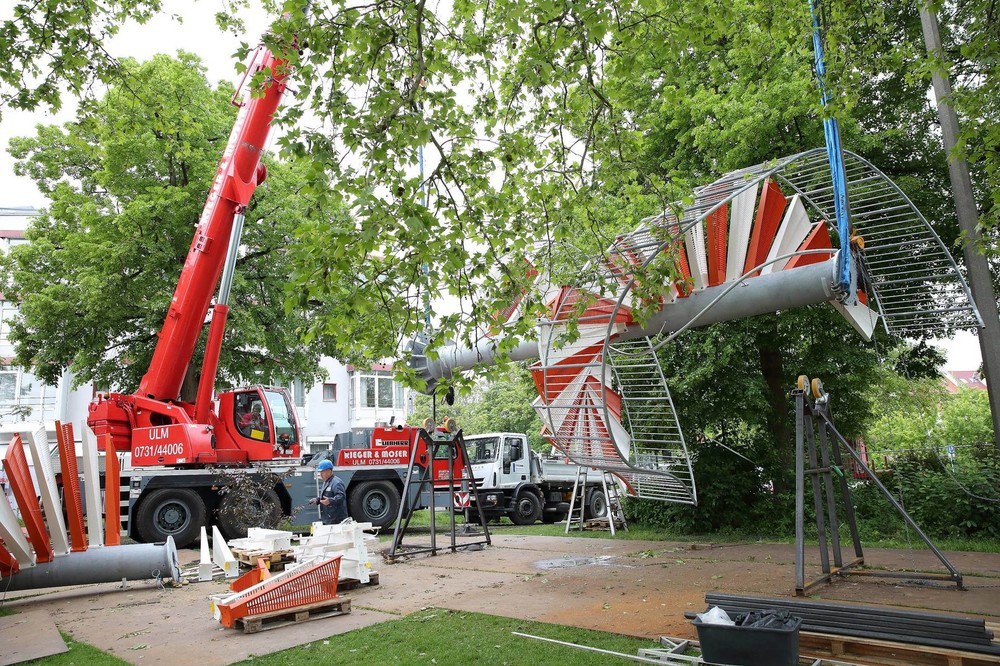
(765,226)
(112,495)
(15,463)
(71,487)
(715,239)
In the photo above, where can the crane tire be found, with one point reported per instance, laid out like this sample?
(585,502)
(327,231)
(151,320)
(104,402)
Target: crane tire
(240,511)
(171,512)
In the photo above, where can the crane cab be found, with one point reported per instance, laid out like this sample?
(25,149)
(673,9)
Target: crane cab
(258,422)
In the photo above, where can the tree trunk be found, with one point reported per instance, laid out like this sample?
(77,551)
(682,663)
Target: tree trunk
(189,388)
(772,369)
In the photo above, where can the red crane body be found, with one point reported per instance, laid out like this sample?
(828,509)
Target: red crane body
(153,423)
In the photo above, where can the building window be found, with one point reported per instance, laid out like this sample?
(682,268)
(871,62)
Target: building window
(7,312)
(24,397)
(329,393)
(379,391)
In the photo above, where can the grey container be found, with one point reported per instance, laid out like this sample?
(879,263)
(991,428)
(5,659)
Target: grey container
(748,646)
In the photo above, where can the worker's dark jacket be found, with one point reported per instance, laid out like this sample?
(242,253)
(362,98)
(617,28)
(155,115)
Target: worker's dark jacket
(336,511)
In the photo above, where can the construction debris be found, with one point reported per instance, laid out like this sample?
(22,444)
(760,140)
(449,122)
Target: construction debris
(349,541)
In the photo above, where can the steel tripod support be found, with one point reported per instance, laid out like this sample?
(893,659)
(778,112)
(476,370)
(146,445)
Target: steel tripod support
(813,416)
(810,435)
(953,575)
(454,446)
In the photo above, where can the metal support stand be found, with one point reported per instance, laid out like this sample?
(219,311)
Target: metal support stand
(440,445)
(814,429)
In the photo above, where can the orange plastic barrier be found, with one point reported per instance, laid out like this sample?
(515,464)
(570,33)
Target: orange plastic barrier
(315,584)
(16,465)
(71,486)
(256,575)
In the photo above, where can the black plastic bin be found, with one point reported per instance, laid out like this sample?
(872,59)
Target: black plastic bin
(748,646)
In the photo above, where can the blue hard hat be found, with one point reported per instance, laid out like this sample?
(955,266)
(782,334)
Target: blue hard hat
(324,464)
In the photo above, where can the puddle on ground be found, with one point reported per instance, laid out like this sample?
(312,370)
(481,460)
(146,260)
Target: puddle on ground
(575,561)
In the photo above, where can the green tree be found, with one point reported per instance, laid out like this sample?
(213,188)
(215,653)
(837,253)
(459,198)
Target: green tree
(529,115)
(965,420)
(906,416)
(127,180)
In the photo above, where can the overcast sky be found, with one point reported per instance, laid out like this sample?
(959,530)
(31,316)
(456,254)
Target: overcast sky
(199,34)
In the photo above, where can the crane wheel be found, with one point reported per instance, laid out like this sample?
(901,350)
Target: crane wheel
(802,383)
(817,388)
(375,502)
(171,512)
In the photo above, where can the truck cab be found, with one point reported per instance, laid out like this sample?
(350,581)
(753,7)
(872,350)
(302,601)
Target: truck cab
(502,460)
(514,481)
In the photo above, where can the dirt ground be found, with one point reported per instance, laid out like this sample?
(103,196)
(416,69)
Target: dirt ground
(639,588)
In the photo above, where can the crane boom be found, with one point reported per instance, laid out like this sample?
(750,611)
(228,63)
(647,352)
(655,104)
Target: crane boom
(239,173)
(253,424)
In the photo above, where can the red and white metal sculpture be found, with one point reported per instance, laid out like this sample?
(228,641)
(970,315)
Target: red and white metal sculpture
(754,241)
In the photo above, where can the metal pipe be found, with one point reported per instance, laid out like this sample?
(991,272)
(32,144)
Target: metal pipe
(100,565)
(782,290)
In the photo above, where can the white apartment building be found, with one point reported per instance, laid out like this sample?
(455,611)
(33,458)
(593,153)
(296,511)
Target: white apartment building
(349,400)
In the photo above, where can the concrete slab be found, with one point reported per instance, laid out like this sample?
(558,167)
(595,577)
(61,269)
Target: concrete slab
(30,635)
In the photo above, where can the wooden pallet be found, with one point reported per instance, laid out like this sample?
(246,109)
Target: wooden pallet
(888,653)
(252,624)
(275,560)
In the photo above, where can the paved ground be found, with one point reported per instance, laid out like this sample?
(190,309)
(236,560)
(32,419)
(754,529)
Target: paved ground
(638,588)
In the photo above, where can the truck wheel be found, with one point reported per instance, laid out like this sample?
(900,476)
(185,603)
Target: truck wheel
(527,509)
(173,512)
(240,511)
(597,505)
(551,517)
(375,502)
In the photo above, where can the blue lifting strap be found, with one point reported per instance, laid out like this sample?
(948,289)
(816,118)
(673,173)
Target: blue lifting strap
(831,131)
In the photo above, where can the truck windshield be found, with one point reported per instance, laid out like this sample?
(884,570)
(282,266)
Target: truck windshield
(483,449)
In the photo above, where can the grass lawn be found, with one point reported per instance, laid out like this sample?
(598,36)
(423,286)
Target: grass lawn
(450,638)
(432,636)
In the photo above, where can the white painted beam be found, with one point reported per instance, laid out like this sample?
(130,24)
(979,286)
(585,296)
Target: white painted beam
(38,443)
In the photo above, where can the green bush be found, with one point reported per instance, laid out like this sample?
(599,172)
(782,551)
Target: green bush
(732,495)
(946,499)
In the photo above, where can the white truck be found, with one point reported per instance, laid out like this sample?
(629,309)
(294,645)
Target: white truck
(519,483)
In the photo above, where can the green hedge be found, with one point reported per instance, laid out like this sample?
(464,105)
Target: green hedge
(946,502)
(734,498)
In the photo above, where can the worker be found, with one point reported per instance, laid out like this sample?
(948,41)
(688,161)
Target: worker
(283,444)
(332,498)
(253,419)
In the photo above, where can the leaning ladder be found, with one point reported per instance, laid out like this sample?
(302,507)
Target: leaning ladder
(577,503)
(616,514)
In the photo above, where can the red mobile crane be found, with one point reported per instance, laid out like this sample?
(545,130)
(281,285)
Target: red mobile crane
(250,425)
(177,447)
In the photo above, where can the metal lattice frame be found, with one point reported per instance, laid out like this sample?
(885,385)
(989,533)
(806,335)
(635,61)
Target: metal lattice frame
(603,398)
